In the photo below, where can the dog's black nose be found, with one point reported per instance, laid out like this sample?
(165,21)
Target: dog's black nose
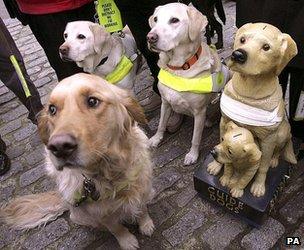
(64,50)
(152,37)
(62,146)
(214,153)
(239,56)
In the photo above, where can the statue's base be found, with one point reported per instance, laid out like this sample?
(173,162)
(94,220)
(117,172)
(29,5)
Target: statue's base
(252,209)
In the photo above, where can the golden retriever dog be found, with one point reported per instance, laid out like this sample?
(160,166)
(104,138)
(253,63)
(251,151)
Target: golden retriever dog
(241,157)
(98,52)
(98,157)
(253,97)
(176,34)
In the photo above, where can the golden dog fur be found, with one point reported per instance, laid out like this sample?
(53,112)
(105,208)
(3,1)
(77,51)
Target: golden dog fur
(256,83)
(112,151)
(241,156)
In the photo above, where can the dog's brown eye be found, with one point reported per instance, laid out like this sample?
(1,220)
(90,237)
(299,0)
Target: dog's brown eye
(155,19)
(52,109)
(81,36)
(266,47)
(65,35)
(93,102)
(174,20)
(242,40)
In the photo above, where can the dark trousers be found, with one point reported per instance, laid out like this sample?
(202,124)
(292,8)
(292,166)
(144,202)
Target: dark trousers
(48,30)
(295,87)
(9,76)
(136,14)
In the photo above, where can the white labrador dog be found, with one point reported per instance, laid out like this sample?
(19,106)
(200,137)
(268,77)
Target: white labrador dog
(98,52)
(176,35)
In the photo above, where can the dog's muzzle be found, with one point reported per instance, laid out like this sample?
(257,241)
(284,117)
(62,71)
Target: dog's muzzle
(62,146)
(64,53)
(239,56)
(152,38)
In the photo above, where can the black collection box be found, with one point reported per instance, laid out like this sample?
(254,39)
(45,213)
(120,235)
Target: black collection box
(252,209)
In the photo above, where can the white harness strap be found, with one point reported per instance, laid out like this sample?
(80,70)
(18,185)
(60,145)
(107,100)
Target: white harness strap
(247,114)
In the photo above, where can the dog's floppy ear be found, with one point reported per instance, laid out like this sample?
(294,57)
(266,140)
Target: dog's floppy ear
(100,35)
(151,21)
(43,126)
(253,152)
(134,110)
(197,22)
(230,125)
(288,51)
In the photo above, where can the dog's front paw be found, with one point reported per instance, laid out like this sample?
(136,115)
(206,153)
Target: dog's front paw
(237,192)
(257,189)
(128,242)
(191,158)
(214,167)
(155,140)
(147,227)
(224,180)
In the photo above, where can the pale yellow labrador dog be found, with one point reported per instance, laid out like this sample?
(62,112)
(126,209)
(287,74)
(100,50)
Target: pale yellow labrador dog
(98,52)
(98,157)
(253,98)
(176,34)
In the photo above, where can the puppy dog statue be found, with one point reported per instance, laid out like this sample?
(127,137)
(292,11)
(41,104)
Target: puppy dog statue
(253,98)
(241,158)
(190,70)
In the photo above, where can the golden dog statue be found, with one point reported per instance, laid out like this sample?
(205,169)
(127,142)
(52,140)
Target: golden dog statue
(253,97)
(241,156)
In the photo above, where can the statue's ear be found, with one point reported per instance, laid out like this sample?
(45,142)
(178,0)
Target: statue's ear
(253,152)
(288,50)
(230,125)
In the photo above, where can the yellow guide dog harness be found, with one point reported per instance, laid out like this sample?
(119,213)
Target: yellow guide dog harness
(200,85)
(122,69)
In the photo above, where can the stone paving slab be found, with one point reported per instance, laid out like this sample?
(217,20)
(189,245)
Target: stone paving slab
(182,219)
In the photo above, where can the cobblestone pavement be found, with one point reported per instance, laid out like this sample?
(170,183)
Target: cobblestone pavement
(182,220)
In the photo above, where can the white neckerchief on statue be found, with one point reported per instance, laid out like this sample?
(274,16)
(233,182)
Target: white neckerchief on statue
(247,114)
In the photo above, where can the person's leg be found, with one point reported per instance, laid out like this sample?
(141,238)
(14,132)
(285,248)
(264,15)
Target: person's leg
(4,160)
(10,78)
(136,15)
(296,86)
(283,79)
(48,30)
